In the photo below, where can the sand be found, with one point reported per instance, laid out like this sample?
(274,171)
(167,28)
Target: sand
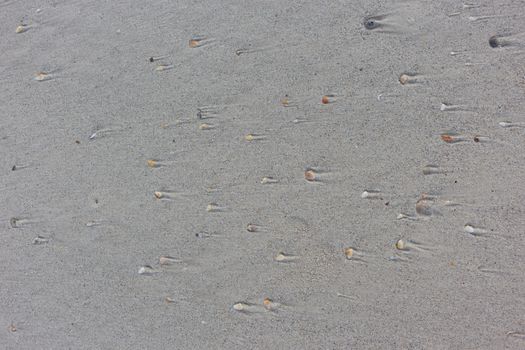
(80,135)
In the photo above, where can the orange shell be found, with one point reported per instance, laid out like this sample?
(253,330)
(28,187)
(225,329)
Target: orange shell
(447,138)
(309,175)
(404,78)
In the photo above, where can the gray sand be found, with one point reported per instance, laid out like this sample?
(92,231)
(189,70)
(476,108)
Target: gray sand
(94,199)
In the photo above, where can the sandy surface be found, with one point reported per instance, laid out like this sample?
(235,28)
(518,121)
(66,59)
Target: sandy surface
(460,284)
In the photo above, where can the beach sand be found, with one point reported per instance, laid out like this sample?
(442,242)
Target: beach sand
(234,95)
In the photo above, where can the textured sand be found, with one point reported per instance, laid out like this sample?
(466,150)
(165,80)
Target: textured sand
(82,289)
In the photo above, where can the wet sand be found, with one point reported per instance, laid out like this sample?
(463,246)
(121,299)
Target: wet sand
(111,161)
